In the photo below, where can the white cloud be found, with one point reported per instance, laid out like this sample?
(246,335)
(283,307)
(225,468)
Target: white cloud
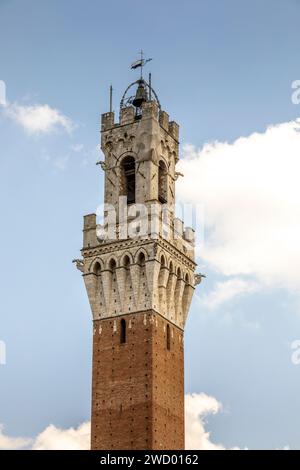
(12,443)
(251,194)
(197,407)
(225,291)
(38,119)
(2,93)
(53,438)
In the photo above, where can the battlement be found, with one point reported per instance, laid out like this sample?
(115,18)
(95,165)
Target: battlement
(107,121)
(149,110)
(181,237)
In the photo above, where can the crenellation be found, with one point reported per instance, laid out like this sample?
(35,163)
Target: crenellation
(127,115)
(174,130)
(164,120)
(107,121)
(89,231)
(150,110)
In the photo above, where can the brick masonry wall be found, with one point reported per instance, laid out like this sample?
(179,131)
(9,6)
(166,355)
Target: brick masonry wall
(138,386)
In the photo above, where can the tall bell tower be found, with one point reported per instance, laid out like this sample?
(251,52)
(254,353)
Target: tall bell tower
(139,272)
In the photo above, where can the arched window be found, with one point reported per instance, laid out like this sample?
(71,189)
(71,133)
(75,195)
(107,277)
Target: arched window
(141,259)
(126,262)
(128,179)
(123,331)
(97,269)
(162,183)
(168,338)
(112,265)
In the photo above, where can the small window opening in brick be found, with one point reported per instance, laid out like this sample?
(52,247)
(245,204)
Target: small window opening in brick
(168,338)
(123,331)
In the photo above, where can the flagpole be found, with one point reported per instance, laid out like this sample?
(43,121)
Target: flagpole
(142,60)
(110,98)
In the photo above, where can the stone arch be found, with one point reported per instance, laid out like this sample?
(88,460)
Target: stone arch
(163,261)
(120,141)
(97,268)
(141,258)
(139,253)
(129,257)
(127,153)
(111,263)
(92,268)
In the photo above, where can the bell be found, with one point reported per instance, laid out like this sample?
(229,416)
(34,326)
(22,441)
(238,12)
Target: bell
(140,96)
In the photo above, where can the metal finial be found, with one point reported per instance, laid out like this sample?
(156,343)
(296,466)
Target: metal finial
(150,87)
(110,98)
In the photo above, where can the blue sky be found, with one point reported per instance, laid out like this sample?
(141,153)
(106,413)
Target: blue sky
(222,70)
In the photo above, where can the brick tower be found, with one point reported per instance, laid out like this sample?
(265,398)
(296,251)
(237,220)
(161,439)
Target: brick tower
(139,273)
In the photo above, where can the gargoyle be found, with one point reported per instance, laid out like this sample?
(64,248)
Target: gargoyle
(102,164)
(79,264)
(198,278)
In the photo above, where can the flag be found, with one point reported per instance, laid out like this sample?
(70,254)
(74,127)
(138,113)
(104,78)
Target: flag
(139,63)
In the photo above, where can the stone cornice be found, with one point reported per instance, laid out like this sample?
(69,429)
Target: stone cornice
(117,245)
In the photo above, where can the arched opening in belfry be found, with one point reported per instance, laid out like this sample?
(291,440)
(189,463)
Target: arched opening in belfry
(123,331)
(162,183)
(128,179)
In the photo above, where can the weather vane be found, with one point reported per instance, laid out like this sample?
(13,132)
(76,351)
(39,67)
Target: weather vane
(140,63)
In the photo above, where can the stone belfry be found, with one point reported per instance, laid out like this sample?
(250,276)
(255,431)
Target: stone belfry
(139,273)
